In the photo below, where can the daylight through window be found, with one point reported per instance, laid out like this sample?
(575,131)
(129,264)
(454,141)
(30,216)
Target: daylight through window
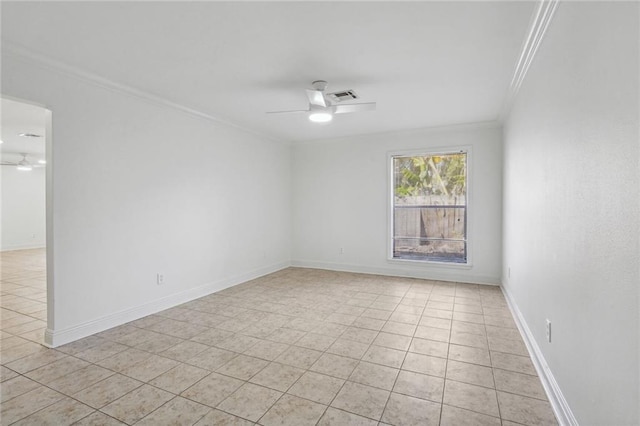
(430,207)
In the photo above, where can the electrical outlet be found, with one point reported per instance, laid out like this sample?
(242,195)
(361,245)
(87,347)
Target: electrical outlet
(509,272)
(548,330)
(160,278)
(341,250)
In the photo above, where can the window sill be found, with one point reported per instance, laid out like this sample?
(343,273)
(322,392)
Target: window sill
(430,263)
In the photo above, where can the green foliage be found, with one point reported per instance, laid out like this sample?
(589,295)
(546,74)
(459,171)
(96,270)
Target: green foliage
(430,175)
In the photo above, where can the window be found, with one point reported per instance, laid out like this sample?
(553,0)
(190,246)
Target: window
(429,204)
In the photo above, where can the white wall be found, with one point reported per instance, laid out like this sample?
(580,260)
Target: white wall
(23,208)
(340,200)
(571,207)
(139,188)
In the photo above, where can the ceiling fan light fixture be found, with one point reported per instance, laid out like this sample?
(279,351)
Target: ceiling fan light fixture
(42,161)
(320,116)
(24,167)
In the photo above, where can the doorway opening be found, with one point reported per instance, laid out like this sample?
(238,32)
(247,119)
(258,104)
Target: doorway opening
(26,283)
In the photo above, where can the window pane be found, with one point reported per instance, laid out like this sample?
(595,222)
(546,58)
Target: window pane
(429,207)
(432,223)
(431,179)
(440,251)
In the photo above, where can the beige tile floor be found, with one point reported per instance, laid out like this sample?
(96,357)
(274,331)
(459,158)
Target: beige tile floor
(298,347)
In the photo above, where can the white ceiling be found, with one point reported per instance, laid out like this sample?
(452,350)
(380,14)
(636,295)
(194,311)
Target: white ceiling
(18,117)
(424,63)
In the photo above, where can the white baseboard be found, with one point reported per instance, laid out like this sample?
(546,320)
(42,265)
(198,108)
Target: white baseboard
(560,406)
(24,247)
(435,273)
(55,338)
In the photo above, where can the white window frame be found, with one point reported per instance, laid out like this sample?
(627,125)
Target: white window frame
(469,207)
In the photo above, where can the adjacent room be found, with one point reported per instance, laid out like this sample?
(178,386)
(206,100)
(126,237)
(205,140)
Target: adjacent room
(320,213)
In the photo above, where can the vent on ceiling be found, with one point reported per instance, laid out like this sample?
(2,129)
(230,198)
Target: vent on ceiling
(346,95)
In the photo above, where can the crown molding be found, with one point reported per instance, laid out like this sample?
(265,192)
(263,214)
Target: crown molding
(50,64)
(538,26)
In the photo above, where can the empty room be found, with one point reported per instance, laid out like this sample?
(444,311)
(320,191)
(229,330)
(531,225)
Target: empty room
(320,213)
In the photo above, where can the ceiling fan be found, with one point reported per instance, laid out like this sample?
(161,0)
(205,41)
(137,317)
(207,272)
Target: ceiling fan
(322,105)
(24,164)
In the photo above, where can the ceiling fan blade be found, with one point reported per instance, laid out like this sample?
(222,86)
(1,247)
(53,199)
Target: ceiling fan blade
(345,108)
(5,163)
(288,112)
(316,97)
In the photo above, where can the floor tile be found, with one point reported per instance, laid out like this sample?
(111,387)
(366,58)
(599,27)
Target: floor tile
(137,404)
(316,387)
(28,403)
(399,328)
(393,341)
(369,323)
(356,339)
(419,385)
(318,342)
(299,357)
(359,335)
(335,417)
(21,350)
(510,362)
(434,322)
(469,354)
(524,410)
(212,337)
(184,351)
(277,376)
(471,397)
(384,356)
(293,411)
(242,367)
(237,343)
(101,351)
(213,389)
(178,411)
(363,400)
(80,379)
(250,401)
(403,409)
(285,335)
(470,373)
(436,313)
(107,390)
(63,412)
(220,418)
(520,384)
(454,416)
(149,368)
(515,347)
(266,349)
(425,364)
(348,348)
(429,347)
(98,419)
(37,360)
(211,359)
(375,375)
(179,378)
(334,365)
(56,369)
(17,386)
(123,360)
